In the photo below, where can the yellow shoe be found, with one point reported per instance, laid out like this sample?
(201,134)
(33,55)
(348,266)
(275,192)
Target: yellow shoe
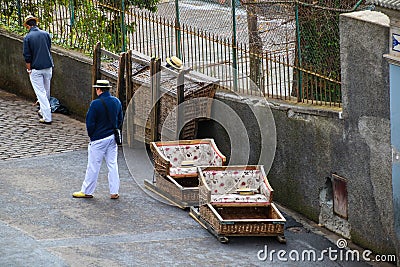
(45,122)
(81,195)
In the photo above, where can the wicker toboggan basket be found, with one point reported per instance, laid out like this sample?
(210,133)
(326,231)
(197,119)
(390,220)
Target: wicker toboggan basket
(198,95)
(244,221)
(184,190)
(181,186)
(227,211)
(141,104)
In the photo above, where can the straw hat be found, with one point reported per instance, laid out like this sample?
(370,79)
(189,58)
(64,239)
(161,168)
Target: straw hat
(30,17)
(175,62)
(102,84)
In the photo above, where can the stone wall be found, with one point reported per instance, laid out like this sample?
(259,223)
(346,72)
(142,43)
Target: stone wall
(366,152)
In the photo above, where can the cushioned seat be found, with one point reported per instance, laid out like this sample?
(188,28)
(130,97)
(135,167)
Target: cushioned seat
(177,172)
(235,185)
(170,156)
(175,164)
(237,198)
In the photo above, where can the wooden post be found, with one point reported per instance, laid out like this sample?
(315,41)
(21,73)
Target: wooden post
(121,79)
(130,126)
(180,91)
(155,74)
(128,79)
(96,67)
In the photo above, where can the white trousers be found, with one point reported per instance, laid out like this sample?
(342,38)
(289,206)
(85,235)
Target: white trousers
(40,80)
(97,150)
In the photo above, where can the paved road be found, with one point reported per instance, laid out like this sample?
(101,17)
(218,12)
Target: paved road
(42,225)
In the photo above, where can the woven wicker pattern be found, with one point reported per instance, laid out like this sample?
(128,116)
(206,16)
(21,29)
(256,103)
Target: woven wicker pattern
(200,102)
(199,95)
(257,228)
(186,191)
(204,193)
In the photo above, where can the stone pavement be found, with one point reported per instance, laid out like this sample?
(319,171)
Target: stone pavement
(42,225)
(22,136)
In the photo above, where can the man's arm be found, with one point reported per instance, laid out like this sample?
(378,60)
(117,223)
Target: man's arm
(91,120)
(48,40)
(27,53)
(120,115)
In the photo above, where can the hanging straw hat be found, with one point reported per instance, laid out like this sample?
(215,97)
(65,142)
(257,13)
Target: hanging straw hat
(175,62)
(30,17)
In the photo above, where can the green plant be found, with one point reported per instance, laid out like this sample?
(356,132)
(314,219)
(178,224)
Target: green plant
(76,24)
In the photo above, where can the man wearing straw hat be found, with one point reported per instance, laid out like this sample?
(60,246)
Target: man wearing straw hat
(39,65)
(103,116)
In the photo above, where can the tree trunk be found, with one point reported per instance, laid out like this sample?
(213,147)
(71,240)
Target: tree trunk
(255,45)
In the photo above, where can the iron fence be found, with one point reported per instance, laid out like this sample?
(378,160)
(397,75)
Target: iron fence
(252,47)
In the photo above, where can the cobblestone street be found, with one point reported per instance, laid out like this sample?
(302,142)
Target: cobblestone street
(22,136)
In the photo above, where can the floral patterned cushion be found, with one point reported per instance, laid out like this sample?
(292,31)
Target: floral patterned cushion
(224,184)
(200,154)
(229,198)
(180,171)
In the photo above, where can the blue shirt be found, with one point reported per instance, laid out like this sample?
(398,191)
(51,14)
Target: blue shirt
(98,124)
(37,44)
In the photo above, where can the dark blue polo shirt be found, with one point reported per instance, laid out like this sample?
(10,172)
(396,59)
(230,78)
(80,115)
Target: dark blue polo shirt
(37,44)
(97,123)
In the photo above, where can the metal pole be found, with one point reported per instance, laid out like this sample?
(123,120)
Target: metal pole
(299,73)
(19,12)
(123,28)
(177,30)
(72,16)
(234,47)
(71,20)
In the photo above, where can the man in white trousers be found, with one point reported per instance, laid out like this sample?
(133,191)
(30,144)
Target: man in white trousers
(39,65)
(103,116)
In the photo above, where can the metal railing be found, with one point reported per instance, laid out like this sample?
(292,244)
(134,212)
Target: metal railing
(212,54)
(273,73)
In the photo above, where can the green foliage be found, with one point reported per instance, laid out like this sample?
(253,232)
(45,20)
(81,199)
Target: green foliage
(8,7)
(83,22)
(320,44)
(113,9)
(320,50)
(13,27)
(88,27)
(143,4)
